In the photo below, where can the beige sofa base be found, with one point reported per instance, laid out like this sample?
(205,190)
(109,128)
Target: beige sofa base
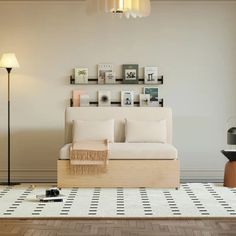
(124,173)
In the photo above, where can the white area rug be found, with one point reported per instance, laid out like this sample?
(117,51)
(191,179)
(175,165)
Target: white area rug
(191,200)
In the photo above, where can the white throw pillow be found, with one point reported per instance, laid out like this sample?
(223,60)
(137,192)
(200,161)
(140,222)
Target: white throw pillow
(93,130)
(146,131)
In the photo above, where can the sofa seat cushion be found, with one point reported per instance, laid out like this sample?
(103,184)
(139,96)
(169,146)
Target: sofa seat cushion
(136,151)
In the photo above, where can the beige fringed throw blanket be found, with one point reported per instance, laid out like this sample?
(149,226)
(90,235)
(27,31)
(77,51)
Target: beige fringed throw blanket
(89,157)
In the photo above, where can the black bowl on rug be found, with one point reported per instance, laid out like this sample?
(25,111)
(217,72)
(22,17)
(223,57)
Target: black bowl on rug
(231,155)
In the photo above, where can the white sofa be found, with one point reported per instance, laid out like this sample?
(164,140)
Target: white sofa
(130,164)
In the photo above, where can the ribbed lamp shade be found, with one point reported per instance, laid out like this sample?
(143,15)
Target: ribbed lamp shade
(126,8)
(9,60)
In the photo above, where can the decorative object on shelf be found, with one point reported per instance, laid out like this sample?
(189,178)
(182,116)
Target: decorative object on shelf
(102,69)
(9,61)
(127,8)
(104,98)
(81,75)
(144,100)
(76,97)
(84,100)
(154,92)
(130,73)
(127,98)
(110,77)
(150,75)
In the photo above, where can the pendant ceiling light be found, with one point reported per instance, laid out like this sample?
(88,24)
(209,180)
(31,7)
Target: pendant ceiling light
(134,8)
(128,8)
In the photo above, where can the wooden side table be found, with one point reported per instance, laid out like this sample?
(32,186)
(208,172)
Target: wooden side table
(230,168)
(230,174)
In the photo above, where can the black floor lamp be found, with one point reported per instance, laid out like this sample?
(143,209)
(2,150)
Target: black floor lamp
(9,61)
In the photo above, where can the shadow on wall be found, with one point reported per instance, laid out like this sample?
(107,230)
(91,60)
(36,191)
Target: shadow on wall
(32,149)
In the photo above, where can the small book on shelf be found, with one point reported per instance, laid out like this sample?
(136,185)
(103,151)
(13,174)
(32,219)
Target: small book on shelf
(102,70)
(84,100)
(76,97)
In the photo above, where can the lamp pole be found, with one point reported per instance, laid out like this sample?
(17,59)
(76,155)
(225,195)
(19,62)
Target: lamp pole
(9,61)
(9,128)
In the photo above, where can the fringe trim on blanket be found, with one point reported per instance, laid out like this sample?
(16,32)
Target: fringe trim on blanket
(88,155)
(88,169)
(81,156)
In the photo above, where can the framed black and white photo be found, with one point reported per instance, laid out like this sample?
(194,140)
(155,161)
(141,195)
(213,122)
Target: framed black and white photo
(104,98)
(130,73)
(144,100)
(110,77)
(150,75)
(153,92)
(127,98)
(102,69)
(81,75)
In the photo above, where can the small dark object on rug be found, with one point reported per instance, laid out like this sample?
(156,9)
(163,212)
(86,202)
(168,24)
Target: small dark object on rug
(52,192)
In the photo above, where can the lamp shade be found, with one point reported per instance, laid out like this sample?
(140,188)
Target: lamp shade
(9,60)
(134,8)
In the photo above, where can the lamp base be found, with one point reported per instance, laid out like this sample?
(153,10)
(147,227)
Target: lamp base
(10,184)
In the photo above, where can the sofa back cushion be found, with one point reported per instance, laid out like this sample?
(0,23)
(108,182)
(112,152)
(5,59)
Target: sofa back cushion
(145,131)
(93,130)
(119,114)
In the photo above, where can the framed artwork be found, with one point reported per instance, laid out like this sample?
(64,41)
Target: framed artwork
(144,100)
(84,100)
(110,77)
(150,75)
(81,75)
(102,69)
(127,98)
(76,97)
(153,92)
(104,98)
(130,73)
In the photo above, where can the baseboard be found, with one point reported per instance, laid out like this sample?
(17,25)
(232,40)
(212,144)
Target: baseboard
(202,175)
(50,175)
(31,175)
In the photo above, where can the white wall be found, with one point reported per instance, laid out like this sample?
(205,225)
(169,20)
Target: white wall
(192,43)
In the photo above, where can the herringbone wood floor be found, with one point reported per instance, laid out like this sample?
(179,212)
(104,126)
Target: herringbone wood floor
(117,227)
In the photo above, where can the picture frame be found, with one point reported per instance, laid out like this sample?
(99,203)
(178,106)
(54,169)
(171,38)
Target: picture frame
(150,75)
(76,97)
(84,100)
(127,98)
(102,69)
(110,77)
(130,73)
(154,94)
(81,75)
(144,100)
(104,98)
